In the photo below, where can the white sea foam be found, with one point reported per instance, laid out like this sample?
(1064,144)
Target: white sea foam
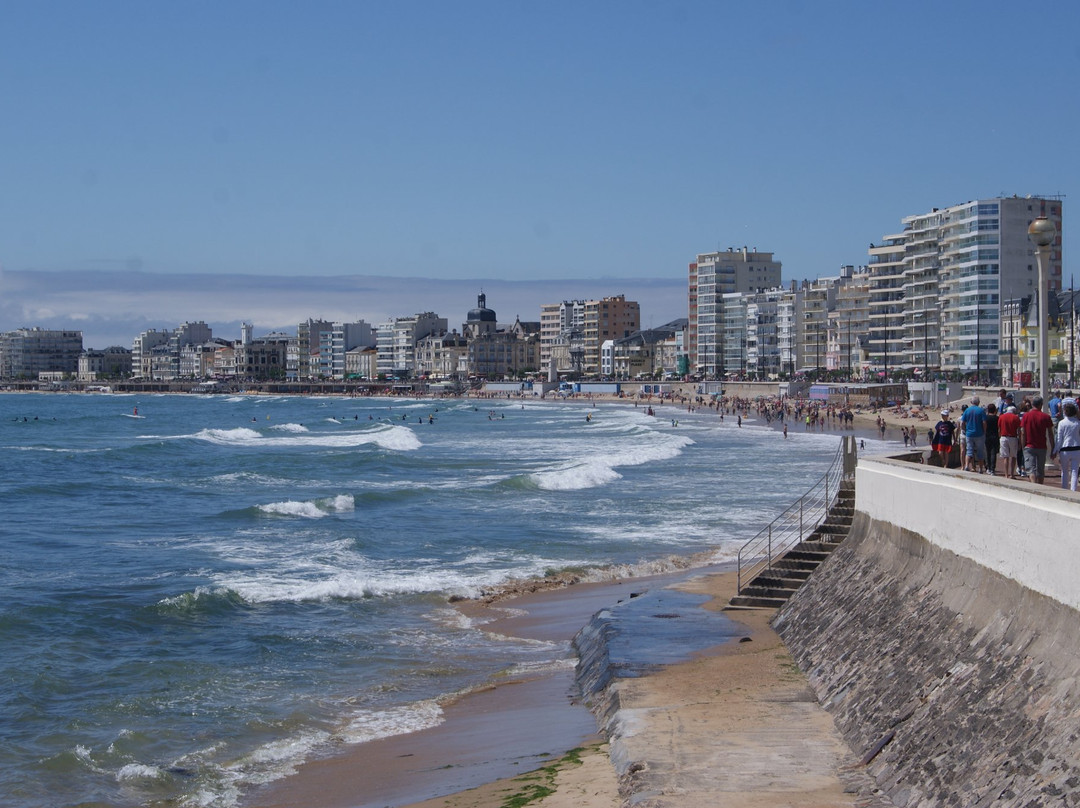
(575,477)
(316,509)
(246,477)
(290,428)
(597,466)
(271,761)
(370,725)
(394,438)
(139,771)
(295,580)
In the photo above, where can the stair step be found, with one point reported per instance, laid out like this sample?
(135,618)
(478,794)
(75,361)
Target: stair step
(767,592)
(795,564)
(807,555)
(824,543)
(761,603)
(773,582)
(834,527)
(792,573)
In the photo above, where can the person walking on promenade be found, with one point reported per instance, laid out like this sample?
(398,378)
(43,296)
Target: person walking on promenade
(1038,430)
(1067,445)
(961,438)
(992,439)
(974,423)
(1054,408)
(1009,429)
(943,438)
(1021,408)
(1000,402)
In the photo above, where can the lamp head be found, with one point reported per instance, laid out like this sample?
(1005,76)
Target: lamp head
(1042,231)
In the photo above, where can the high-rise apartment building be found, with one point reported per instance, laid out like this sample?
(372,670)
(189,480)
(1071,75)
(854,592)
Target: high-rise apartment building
(396,341)
(762,334)
(885,303)
(573,331)
(606,319)
(310,336)
(26,352)
(712,276)
(847,321)
(142,348)
(562,335)
(937,288)
(818,299)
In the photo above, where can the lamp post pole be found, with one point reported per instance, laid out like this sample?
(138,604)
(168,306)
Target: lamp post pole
(849,346)
(978,335)
(1042,231)
(925,349)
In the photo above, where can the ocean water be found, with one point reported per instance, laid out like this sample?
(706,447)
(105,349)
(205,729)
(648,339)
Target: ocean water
(199,598)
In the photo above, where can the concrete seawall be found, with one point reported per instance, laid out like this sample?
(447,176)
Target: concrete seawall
(944,637)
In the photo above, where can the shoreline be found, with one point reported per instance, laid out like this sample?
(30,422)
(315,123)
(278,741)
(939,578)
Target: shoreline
(476,756)
(779,747)
(490,736)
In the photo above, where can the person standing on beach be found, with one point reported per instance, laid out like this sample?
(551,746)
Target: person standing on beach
(1067,445)
(1038,429)
(943,438)
(1009,430)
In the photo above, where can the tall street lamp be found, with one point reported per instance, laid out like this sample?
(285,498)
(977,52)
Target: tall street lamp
(1042,231)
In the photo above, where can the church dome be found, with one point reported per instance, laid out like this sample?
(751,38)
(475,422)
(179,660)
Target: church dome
(481,314)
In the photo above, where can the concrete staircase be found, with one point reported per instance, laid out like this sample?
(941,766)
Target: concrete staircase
(772,587)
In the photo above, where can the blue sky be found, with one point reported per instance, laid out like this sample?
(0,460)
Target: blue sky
(512,140)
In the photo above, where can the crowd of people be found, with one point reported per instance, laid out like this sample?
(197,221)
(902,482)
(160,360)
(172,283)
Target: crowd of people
(1021,434)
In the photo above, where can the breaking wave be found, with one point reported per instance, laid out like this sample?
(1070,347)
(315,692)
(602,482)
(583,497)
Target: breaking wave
(390,437)
(315,509)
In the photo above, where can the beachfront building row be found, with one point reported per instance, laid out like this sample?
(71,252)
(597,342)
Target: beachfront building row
(931,299)
(407,347)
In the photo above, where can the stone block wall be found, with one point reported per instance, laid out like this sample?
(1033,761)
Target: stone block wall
(958,685)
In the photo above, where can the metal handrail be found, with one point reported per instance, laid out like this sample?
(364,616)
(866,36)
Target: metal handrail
(799,519)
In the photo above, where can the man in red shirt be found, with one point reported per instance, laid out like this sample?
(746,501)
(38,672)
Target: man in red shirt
(1038,428)
(1009,429)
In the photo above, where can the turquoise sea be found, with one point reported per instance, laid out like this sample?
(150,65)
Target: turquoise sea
(198,598)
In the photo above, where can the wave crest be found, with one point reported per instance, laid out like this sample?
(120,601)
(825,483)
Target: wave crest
(387,436)
(316,509)
(600,468)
